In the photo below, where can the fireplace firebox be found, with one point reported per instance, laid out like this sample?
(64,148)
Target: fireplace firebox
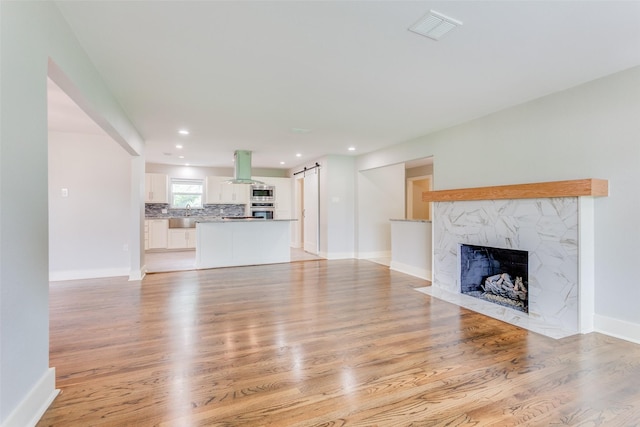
(495,274)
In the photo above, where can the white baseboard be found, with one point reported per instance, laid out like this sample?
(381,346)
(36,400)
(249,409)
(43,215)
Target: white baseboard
(336,255)
(56,276)
(137,275)
(369,255)
(617,328)
(33,406)
(422,273)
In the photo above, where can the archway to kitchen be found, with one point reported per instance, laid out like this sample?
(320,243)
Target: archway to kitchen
(90,193)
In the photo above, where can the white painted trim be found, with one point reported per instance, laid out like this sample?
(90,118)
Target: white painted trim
(55,276)
(336,255)
(369,255)
(586,264)
(411,270)
(33,406)
(138,274)
(617,328)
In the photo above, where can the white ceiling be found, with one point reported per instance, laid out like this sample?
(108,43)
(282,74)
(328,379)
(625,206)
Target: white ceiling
(242,74)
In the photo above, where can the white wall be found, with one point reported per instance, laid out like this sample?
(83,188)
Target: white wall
(32,33)
(88,229)
(194,172)
(380,198)
(589,131)
(200,172)
(337,194)
(337,207)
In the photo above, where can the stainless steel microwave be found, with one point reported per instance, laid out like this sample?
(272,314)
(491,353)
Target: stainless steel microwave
(263,193)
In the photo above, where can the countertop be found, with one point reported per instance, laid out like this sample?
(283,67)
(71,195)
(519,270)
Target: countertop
(218,219)
(411,220)
(204,221)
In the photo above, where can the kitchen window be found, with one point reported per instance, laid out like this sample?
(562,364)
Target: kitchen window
(185,192)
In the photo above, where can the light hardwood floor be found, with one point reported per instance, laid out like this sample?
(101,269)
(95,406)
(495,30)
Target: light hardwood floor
(164,261)
(318,343)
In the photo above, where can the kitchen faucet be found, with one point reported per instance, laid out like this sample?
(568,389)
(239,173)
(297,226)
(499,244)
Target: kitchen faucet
(188,209)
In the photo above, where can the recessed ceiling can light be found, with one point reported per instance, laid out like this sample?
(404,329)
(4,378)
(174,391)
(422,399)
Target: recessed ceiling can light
(181,157)
(282,163)
(178,146)
(351,148)
(183,132)
(187,164)
(298,155)
(434,25)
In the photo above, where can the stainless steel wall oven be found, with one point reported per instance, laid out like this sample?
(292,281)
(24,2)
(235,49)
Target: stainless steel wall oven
(262,210)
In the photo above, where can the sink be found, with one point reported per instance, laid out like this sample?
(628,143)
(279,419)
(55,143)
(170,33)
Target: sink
(184,222)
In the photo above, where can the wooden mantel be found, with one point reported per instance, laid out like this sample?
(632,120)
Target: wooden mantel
(574,188)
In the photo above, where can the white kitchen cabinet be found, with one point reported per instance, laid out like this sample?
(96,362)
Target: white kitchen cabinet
(182,238)
(283,198)
(157,233)
(146,235)
(214,189)
(190,235)
(156,188)
(283,192)
(219,191)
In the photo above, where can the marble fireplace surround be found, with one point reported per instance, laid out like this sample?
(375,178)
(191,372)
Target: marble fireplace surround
(553,221)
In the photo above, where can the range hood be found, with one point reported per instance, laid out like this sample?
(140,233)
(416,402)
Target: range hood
(242,168)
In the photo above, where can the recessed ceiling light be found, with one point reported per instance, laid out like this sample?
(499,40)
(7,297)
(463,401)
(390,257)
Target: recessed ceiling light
(183,132)
(298,155)
(351,148)
(187,164)
(282,163)
(434,25)
(178,146)
(181,157)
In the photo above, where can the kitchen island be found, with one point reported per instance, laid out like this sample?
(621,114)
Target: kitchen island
(236,242)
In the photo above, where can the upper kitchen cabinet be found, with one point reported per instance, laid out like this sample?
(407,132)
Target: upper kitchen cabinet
(219,191)
(156,188)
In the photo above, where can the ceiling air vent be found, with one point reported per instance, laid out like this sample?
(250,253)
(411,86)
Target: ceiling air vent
(434,25)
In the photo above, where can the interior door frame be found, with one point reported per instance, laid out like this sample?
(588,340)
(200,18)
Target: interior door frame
(316,172)
(409,194)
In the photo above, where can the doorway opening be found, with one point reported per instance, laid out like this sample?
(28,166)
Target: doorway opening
(416,208)
(89,207)
(307,208)
(418,179)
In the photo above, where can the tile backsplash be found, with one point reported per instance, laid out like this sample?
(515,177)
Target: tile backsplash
(154,210)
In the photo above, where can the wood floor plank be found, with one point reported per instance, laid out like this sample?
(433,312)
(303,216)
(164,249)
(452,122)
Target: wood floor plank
(318,343)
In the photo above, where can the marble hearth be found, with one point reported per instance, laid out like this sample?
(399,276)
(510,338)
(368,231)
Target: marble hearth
(557,232)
